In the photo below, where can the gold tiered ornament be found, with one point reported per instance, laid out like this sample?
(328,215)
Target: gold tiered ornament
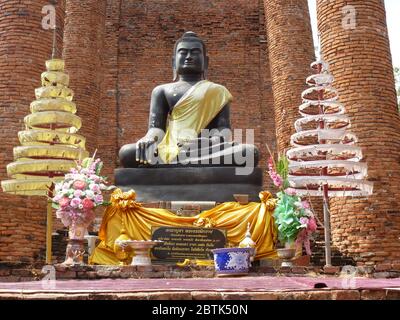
(49,144)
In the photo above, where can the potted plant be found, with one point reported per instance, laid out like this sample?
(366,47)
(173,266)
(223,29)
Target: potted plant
(293,216)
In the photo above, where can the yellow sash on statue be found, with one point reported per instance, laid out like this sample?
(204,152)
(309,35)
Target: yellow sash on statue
(192,113)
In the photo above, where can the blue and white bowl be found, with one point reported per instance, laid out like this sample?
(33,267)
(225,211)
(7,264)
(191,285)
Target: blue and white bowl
(232,261)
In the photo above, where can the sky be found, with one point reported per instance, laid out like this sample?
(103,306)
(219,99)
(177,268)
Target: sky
(393,23)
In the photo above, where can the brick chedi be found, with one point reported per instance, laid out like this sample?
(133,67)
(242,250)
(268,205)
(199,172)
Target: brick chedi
(290,47)
(291,51)
(108,128)
(355,43)
(83,54)
(24,46)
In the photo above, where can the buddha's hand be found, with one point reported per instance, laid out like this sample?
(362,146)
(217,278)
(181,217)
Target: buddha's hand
(153,135)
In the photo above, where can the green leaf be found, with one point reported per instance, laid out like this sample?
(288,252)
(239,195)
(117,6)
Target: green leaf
(99,167)
(282,167)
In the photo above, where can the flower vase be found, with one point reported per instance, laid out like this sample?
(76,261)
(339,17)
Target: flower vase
(287,254)
(76,244)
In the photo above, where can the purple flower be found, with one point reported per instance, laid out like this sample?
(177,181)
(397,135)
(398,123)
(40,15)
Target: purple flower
(77,193)
(290,191)
(94,187)
(98,199)
(305,204)
(304,221)
(276,179)
(75,202)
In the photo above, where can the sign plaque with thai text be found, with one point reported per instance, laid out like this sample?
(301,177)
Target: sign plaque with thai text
(187,242)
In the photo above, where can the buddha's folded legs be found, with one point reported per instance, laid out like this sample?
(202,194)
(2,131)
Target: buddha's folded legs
(222,154)
(127,156)
(225,154)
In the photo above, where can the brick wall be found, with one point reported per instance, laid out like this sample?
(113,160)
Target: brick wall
(367,229)
(290,51)
(236,42)
(83,54)
(108,130)
(24,47)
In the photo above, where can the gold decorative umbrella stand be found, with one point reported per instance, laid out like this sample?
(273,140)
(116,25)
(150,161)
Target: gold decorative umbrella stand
(49,144)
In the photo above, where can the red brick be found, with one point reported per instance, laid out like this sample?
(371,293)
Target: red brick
(373,294)
(358,67)
(24,48)
(383,267)
(199,295)
(289,65)
(331,270)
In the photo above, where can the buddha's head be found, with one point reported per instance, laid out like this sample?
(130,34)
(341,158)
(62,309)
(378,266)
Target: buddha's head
(190,56)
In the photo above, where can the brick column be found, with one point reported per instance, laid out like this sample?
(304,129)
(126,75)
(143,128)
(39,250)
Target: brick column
(108,125)
(359,54)
(290,52)
(24,48)
(83,54)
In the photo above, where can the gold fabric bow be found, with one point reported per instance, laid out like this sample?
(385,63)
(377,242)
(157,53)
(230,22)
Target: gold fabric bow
(268,200)
(124,200)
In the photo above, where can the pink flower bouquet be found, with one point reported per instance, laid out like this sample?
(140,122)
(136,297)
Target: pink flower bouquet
(293,216)
(80,193)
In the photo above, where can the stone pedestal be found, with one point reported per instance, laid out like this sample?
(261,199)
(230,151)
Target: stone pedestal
(217,184)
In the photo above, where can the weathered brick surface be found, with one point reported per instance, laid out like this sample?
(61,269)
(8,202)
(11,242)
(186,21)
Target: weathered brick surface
(24,47)
(207,295)
(83,54)
(291,51)
(138,57)
(109,130)
(360,60)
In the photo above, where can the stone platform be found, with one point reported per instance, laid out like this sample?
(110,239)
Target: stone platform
(217,184)
(170,282)
(243,288)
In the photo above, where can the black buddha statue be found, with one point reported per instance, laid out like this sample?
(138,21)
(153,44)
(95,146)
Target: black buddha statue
(189,121)
(187,153)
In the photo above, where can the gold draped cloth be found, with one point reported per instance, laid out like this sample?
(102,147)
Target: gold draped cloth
(192,113)
(125,213)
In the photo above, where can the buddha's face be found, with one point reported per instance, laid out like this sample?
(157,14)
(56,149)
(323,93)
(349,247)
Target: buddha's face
(189,58)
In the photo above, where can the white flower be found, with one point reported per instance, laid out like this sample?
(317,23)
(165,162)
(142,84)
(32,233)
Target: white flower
(298,204)
(58,187)
(308,212)
(89,194)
